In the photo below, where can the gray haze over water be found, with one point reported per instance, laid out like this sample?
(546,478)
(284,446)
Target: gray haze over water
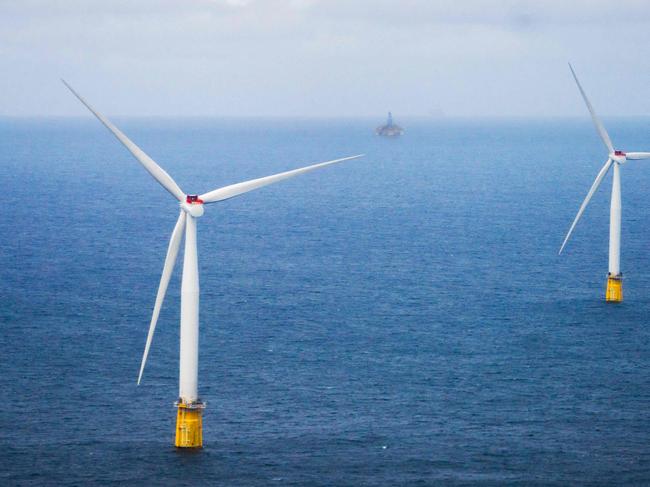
(324,58)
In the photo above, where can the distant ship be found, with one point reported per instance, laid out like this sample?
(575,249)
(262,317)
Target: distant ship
(390,129)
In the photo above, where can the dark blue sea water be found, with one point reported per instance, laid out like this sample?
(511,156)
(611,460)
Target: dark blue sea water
(403,319)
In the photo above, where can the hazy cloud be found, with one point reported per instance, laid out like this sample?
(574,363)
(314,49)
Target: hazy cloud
(324,57)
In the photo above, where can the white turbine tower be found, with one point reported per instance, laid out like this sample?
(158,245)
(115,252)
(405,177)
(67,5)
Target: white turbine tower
(615,158)
(189,425)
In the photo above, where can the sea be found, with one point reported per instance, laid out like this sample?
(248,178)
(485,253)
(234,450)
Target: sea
(403,319)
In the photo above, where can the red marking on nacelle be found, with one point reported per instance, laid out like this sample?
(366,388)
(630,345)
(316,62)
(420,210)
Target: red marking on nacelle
(619,153)
(193,199)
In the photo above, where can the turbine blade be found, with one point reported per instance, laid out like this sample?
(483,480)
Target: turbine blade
(637,155)
(599,126)
(591,192)
(149,164)
(233,190)
(170,260)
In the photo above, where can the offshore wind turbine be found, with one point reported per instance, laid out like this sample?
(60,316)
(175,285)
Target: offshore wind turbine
(189,421)
(615,159)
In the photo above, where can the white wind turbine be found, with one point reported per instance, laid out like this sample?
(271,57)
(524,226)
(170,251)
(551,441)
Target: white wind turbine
(615,158)
(189,427)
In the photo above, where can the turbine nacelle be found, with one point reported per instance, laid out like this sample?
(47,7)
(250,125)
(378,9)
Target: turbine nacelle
(618,156)
(193,205)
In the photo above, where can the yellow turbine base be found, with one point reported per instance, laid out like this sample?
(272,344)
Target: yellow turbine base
(614,292)
(189,426)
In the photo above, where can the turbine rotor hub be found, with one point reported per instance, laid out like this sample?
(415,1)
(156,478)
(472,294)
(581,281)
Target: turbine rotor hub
(618,156)
(193,205)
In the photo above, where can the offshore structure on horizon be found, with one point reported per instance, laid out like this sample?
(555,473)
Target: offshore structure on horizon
(390,129)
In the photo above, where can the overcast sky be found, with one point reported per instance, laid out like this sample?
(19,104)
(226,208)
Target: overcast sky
(324,57)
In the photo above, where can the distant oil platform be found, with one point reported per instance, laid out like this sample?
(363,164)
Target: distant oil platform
(390,129)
